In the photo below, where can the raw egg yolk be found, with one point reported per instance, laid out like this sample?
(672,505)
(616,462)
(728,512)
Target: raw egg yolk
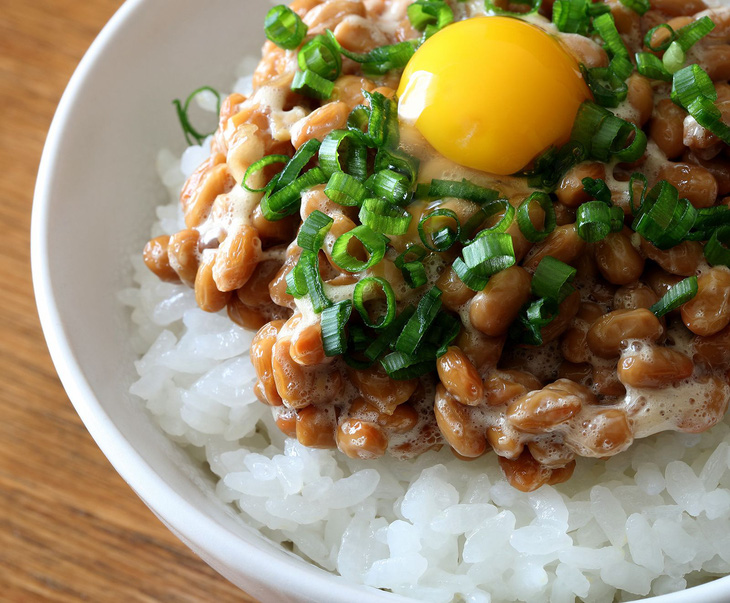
(492,93)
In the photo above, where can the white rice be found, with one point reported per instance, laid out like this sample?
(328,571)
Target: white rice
(653,520)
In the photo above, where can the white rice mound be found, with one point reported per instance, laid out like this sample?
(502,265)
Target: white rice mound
(653,520)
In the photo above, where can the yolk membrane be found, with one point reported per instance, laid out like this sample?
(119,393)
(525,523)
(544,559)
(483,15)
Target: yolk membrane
(492,93)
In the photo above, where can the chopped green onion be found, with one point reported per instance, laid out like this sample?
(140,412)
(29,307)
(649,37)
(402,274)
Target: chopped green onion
(552,279)
(322,56)
(486,211)
(693,90)
(295,281)
(367,287)
(708,220)
(595,221)
(387,336)
(314,230)
(598,189)
(664,45)
(259,165)
(663,218)
(374,243)
(415,329)
(309,263)
(358,119)
(442,333)
(401,367)
(418,253)
(383,216)
(329,151)
(390,185)
(657,211)
(533,4)
(285,201)
(356,360)
(605,26)
(334,336)
(441,189)
(615,91)
(638,6)
(414,272)
(442,238)
(617,219)
(489,254)
(397,161)
(309,83)
(716,250)
(603,135)
(424,12)
(284,27)
(597,8)
(474,278)
(532,319)
(296,164)
(191,134)
(523,217)
(652,67)
(677,295)
(356,162)
(571,16)
(357,338)
(345,190)
(376,125)
(692,83)
(550,167)
(690,34)
(430,15)
(620,67)
(709,117)
(684,220)
(674,58)
(383,59)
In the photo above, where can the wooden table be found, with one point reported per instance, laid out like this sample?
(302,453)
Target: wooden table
(70,528)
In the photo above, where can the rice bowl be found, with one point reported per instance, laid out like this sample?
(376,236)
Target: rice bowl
(666,479)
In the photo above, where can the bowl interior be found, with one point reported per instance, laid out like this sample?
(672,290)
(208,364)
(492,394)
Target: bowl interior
(95,199)
(94,204)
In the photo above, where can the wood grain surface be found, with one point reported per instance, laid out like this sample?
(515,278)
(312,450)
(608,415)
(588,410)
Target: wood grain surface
(70,528)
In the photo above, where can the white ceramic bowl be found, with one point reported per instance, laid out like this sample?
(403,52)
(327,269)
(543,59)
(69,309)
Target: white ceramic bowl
(94,203)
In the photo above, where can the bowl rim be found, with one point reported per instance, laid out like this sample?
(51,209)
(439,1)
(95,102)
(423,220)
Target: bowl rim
(303,579)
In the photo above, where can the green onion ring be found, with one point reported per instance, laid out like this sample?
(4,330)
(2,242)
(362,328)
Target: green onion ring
(448,236)
(382,216)
(523,217)
(364,287)
(375,244)
(322,56)
(284,27)
(664,45)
